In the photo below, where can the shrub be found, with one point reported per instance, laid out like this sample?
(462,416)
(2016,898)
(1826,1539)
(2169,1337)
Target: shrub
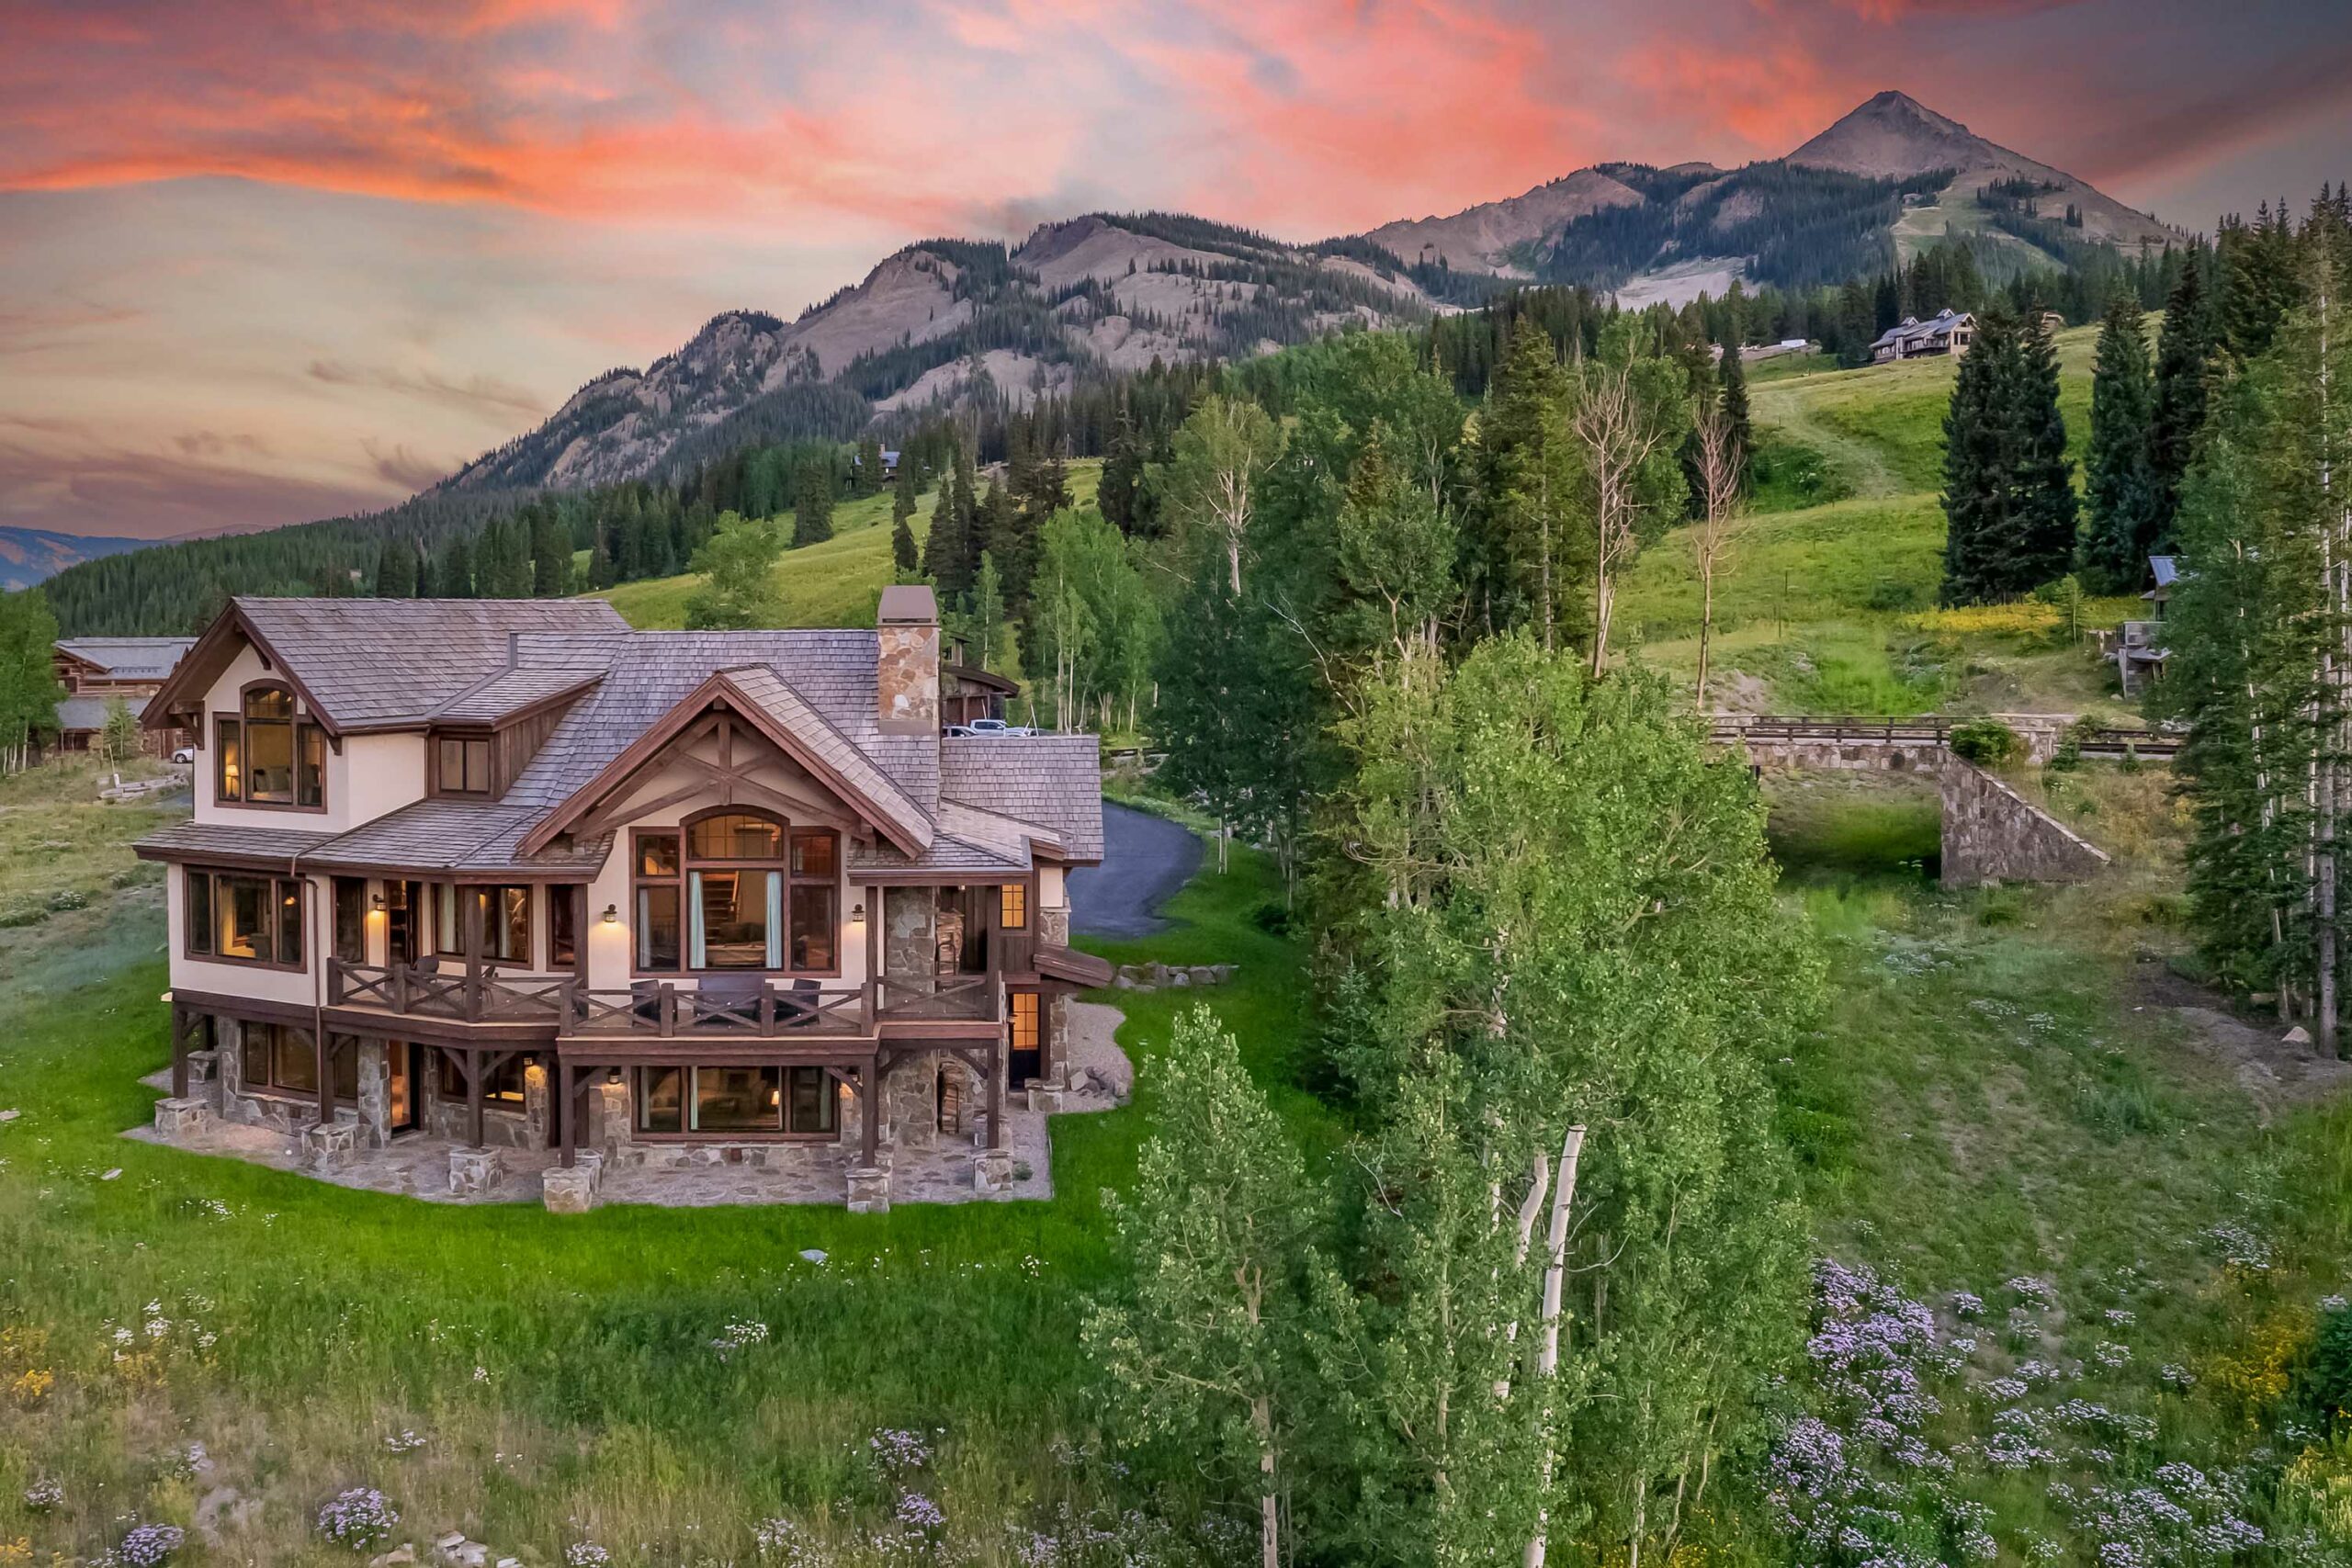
(2325,1386)
(1894,593)
(1271,916)
(1986,742)
(150,1545)
(358,1518)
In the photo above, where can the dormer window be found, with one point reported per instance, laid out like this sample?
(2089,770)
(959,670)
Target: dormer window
(266,755)
(461,764)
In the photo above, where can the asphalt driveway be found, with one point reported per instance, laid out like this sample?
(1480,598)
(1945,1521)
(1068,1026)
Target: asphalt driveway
(1144,860)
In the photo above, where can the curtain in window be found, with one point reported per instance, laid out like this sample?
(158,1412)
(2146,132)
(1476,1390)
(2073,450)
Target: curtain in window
(776,921)
(696,950)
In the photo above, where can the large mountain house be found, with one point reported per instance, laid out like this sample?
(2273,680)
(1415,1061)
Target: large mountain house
(511,875)
(99,671)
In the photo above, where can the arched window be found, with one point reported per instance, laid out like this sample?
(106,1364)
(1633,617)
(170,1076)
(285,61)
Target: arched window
(749,892)
(266,756)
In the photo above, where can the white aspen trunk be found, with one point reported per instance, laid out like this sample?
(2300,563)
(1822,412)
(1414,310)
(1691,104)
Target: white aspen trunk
(2333,659)
(1547,1357)
(1269,1512)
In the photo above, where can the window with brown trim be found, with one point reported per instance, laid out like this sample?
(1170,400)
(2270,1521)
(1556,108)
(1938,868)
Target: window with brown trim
(748,893)
(654,876)
(505,922)
(279,1058)
(462,765)
(1012,907)
(243,917)
(264,755)
(1024,1019)
(351,919)
(563,932)
(737,1100)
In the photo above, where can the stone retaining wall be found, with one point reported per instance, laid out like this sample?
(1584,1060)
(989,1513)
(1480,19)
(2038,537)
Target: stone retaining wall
(1994,834)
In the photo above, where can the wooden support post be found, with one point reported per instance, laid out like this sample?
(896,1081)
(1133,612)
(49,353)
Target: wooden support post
(996,1091)
(179,1052)
(579,933)
(870,1095)
(473,1091)
(326,1077)
(469,917)
(564,1107)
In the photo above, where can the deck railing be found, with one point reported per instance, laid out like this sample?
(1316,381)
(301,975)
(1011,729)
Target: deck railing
(768,1010)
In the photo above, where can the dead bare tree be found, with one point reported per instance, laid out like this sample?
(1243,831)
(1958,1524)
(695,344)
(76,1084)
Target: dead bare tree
(1715,537)
(1619,428)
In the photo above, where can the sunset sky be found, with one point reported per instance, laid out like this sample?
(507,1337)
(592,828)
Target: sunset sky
(265,260)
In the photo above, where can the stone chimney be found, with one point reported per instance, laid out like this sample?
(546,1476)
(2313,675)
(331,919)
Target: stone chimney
(906,661)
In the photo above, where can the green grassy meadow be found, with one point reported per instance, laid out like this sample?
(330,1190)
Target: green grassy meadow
(561,1372)
(1827,604)
(836,583)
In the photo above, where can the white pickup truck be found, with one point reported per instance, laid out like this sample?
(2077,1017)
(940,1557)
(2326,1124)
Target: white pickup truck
(990,726)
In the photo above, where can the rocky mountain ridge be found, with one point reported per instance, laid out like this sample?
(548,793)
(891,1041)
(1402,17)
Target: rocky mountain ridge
(947,322)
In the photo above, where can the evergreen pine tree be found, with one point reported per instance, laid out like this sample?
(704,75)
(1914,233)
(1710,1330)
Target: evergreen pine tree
(2120,477)
(2009,507)
(453,578)
(550,551)
(1731,377)
(2184,373)
(902,492)
(812,505)
(867,475)
(396,569)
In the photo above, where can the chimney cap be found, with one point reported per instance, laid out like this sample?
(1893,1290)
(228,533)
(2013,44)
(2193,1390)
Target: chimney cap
(907,604)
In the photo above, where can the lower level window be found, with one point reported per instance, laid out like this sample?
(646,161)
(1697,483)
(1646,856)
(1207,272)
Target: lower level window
(720,1101)
(279,1056)
(502,1085)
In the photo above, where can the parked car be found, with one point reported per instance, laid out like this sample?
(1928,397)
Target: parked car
(994,726)
(184,755)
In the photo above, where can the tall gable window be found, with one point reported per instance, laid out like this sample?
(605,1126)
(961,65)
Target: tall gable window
(738,890)
(265,756)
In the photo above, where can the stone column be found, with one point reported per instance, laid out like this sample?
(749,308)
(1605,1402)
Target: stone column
(910,1099)
(1053,1006)
(375,1095)
(616,1128)
(911,934)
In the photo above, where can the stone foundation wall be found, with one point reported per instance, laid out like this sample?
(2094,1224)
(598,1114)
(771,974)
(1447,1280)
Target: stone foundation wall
(1992,834)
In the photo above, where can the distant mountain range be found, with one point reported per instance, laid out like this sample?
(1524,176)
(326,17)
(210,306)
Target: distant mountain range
(1893,138)
(33,555)
(953,322)
(948,321)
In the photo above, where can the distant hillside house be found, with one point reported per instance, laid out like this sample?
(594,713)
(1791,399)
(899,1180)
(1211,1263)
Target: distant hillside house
(1947,334)
(95,671)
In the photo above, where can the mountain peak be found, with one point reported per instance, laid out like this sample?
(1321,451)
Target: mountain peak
(1892,136)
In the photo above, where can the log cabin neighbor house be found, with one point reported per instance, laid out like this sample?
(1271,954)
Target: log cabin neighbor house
(511,874)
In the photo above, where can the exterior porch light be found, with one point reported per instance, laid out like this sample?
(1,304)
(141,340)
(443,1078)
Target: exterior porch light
(612,914)
(857,913)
